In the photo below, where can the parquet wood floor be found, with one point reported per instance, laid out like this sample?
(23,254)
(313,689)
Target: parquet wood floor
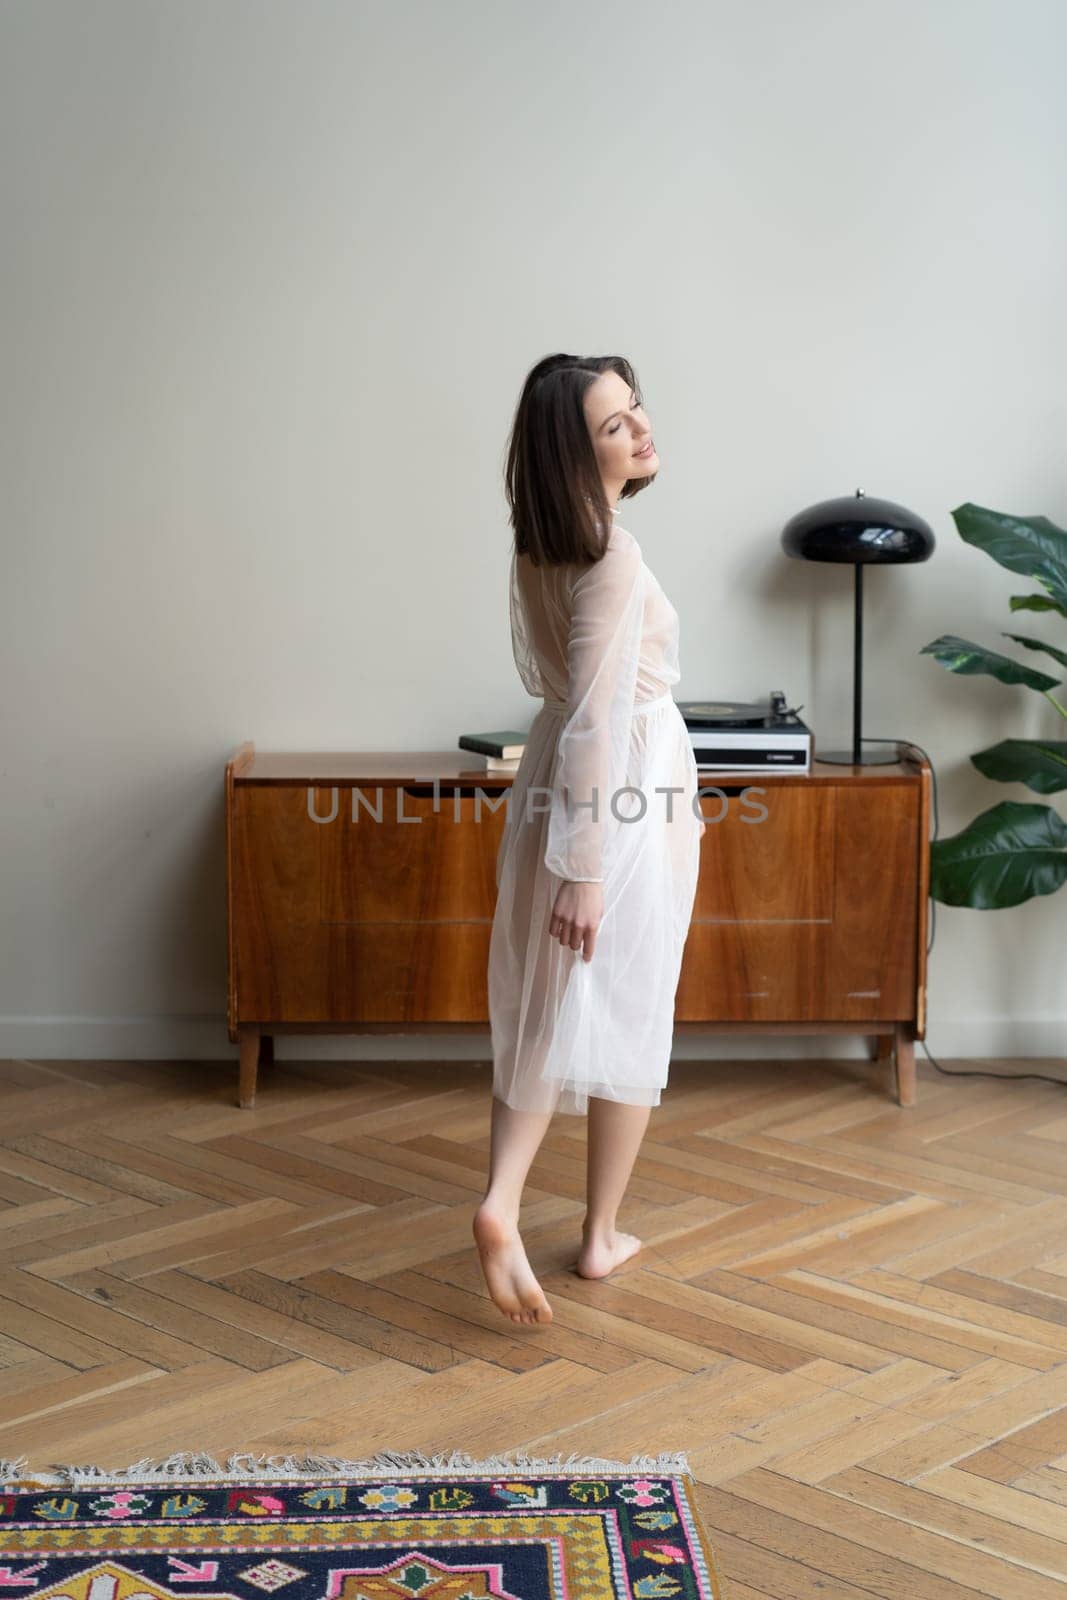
(851,1315)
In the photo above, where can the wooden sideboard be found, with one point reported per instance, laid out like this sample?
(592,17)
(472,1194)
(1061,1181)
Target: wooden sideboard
(361,887)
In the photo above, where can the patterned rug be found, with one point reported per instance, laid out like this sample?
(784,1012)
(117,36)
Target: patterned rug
(396,1527)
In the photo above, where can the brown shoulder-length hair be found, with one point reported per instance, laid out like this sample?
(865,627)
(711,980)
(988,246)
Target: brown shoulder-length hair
(559,511)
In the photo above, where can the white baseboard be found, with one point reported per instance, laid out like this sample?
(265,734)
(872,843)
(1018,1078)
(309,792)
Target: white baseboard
(170,1038)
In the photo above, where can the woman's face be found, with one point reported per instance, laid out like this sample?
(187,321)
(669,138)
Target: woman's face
(620,430)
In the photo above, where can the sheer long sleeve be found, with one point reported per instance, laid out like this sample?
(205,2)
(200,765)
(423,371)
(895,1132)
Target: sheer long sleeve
(603,649)
(521,643)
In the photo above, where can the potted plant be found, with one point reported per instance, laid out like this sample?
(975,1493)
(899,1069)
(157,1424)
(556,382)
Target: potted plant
(1013,851)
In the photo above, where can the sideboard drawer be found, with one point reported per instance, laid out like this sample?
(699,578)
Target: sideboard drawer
(810,914)
(764,855)
(397,856)
(377,920)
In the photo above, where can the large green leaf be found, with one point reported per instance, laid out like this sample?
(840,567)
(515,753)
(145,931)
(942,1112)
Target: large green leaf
(960,655)
(1039,763)
(1036,602)
(1007,855)
(1033,546)
(1039,644)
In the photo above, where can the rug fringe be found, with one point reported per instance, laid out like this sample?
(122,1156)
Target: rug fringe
(189,1466)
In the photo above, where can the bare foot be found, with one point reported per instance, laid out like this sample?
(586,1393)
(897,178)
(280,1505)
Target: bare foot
(601,1256)
(508,1273)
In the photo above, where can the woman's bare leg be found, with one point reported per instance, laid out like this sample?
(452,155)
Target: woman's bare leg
(515,1139)
(614,1137)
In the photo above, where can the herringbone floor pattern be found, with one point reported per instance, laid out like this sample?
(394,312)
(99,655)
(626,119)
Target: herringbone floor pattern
(852,1316)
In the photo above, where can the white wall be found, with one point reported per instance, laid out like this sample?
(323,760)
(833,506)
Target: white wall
(272,276)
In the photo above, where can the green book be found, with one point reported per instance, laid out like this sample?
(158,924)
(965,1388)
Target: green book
(505,743)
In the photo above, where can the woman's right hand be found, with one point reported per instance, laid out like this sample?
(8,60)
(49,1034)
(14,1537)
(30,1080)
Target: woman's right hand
(576,916)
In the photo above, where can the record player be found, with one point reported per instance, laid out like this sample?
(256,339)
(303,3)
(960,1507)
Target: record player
(734,736)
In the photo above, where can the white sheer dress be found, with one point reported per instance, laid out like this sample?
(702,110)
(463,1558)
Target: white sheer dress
(599,645)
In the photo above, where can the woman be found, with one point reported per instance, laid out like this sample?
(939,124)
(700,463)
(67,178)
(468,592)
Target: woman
(597,867)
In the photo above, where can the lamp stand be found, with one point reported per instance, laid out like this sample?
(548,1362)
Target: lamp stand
(857,756)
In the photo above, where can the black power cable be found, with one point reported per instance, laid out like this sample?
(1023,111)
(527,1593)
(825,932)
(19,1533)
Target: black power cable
(1038,1077)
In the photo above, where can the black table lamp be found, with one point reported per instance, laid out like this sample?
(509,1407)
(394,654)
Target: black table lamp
(867,533)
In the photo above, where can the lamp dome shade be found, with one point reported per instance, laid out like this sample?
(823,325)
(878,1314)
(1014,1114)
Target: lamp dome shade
(858,529)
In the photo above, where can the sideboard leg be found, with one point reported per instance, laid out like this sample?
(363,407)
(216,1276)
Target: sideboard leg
(880,1046)
(249,1067)
(266,1049)
(905,1054)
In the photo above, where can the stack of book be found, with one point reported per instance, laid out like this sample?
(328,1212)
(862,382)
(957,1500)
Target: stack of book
(502,748)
